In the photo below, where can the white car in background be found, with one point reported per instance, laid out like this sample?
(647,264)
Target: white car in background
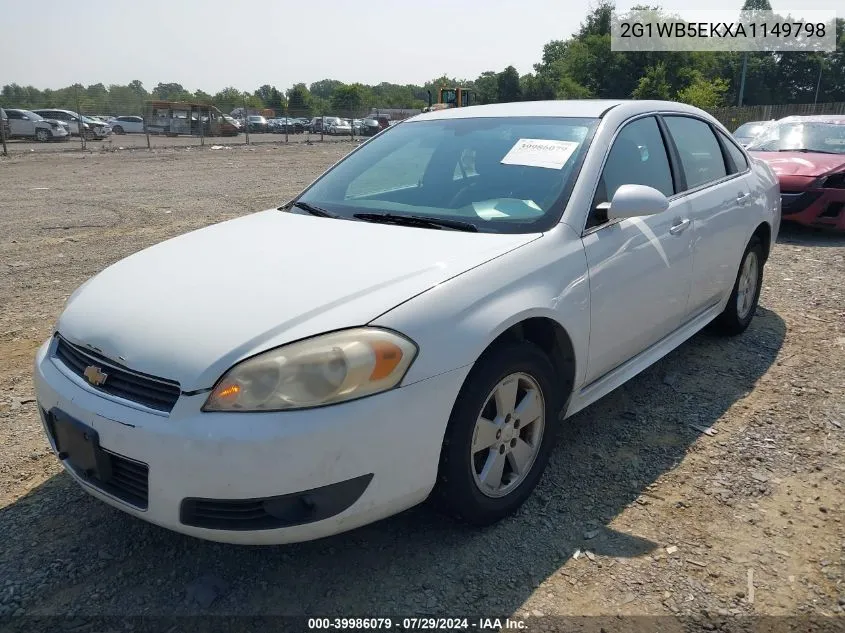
(127,125)
(92,128)
(419,321)
(26,124)
(339,126)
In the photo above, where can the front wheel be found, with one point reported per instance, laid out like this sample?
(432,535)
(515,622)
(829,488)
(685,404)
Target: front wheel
(500,434)
(42,135)
(117,129)
(742,305)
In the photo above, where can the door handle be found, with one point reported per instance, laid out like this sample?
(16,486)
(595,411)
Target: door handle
(743,198)
(679,227)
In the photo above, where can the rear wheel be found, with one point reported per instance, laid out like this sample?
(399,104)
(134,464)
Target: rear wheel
(43,135)
(742,305)
(500,434)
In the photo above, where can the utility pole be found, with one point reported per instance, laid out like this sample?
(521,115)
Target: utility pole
(819,82)
(742,78)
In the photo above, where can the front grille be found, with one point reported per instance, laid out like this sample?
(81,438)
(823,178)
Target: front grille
(152,392)
(128,482)
(797,202)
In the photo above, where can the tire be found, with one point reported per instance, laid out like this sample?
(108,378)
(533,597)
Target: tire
(117,130)
(461,475)
(737,315)
(42,135)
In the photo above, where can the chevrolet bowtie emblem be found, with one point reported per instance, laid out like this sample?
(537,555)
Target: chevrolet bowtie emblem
(95,375)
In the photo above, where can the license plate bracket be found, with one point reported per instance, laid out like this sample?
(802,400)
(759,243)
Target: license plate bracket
(79,445)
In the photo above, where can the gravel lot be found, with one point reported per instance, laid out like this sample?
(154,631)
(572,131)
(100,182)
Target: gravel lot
(640,512)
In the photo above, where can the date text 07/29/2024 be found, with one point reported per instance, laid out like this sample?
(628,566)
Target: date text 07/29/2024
(416,624)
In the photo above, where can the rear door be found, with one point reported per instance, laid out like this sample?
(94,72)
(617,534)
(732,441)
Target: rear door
(718,193)
(19,125)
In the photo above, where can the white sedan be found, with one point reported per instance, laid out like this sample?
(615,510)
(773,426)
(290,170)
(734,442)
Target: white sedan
(417,322)
(127,125)
(340,126)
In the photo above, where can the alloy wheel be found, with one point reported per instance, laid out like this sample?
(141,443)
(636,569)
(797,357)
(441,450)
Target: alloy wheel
(508,434)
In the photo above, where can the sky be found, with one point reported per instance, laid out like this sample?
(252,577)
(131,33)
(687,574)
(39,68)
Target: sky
(212,44)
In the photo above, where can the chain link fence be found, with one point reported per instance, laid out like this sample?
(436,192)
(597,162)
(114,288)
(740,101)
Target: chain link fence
(135,123)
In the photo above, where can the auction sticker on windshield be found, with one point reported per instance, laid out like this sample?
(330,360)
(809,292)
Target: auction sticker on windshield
(535,152)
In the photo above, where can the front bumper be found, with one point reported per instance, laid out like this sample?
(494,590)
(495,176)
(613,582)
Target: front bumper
(240,457)
(821,208)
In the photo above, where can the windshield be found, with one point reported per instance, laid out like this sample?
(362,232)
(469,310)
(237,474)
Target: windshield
(813,136)
(32,116)
(503,175)
(752,129)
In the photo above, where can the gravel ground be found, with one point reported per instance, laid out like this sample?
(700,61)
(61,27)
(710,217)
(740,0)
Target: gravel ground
(708,487)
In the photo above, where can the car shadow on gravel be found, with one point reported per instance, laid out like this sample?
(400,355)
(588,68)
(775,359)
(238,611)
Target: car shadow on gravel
(68,553)
(799,235)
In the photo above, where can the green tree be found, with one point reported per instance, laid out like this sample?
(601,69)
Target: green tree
(271,98)
(347,100)
(507,86)
(15,96)
(299,100)
(125,100)
(228,99)
(653,85)
(487,87)
(325,88)
(756,5)
(171,92)
(705,93)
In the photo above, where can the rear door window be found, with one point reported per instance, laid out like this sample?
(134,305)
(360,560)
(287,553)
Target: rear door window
(701,156)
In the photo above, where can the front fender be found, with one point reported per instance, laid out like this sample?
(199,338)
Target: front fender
(455,322)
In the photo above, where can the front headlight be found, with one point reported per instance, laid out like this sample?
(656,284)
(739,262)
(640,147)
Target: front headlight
(326,369)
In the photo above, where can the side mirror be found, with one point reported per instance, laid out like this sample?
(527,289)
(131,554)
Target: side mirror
(631,201)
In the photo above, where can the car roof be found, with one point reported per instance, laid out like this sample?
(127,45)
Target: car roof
(579,108)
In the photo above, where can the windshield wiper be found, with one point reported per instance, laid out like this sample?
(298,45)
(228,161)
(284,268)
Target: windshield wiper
(310,208)
(417,220)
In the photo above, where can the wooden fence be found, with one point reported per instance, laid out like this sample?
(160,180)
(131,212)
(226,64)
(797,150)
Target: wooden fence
(735,116)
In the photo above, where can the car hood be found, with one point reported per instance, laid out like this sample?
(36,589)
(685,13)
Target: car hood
(801,163)
(187,309)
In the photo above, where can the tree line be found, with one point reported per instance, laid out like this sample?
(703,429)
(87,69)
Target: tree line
(581,66)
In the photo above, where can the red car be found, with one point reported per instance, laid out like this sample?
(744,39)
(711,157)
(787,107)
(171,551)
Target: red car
(808,155)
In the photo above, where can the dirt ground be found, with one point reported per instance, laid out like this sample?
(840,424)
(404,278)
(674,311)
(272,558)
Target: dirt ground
(640,511)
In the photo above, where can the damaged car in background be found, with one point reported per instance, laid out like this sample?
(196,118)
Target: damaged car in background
(808,155)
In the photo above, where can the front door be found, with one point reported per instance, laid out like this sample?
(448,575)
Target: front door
(640,269)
